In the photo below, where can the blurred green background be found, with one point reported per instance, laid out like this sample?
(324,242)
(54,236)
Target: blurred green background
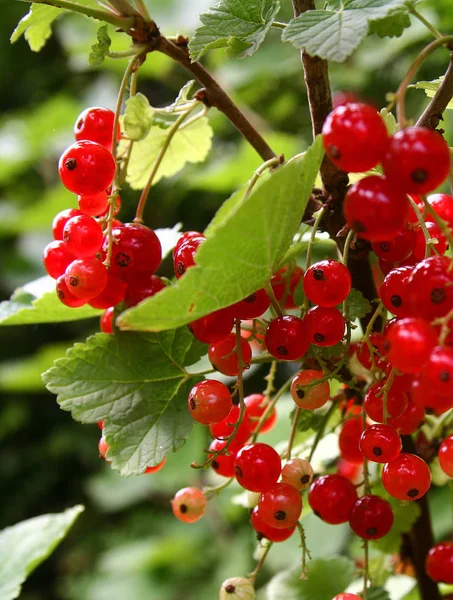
(127,545)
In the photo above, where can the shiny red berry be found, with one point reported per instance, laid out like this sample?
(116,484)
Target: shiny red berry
(96,124)
(56,258)
(213,327)
(327,283)
(308,394)
(223,464)
(446,456)
(371,517)
(86,278)
(66,296)
(439,562)
(280,506)
(377,342)
(325,326)
(184,255)
(187,235)
(189,505)
(434,233)
(380,443)
(349,438)
(103,448)
(141,287)
(225,428)
(410,342)
(438,371)
(332,497)
(284,283)
(394,292)
(373,403)
(82,236)
(347,596)
(398,248)
(443,206)
(431,288)
(287,338)
(60,220)
(417,160)
(266,531)
(256,405)
(93,206)
(86,168)
(251,307)
(224,357)
(209,402)
(355,137)
(412,417)
(407,477)
(111,295)
(257,467)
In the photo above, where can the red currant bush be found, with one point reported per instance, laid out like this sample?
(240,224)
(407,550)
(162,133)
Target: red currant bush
(86,168)
(209,402)
(407,477)
(257,467)
(189,505)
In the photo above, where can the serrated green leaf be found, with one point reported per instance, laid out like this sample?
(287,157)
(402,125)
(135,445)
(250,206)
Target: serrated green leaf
(308,419)
(138,117)
(235,24)
(335,34)
(431,88)
(325,579)
(138,385)
(36,26)
(190,144)
(376,593)
(100,50)
(24,546)
(357,305)
(392,26)
(243,247)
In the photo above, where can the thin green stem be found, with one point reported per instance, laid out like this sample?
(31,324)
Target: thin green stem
(171,132)
(125,163)
(269,164)
(436,33)
(210,492)
(440,222)
(271,295)
(322,428)
(366,567)
(124,23)
(311,242)
(278,24)
(305,550)
(422,224)
(258,567)
(293,433)
(133,51)
(347,245)
(270,407)
(143,10)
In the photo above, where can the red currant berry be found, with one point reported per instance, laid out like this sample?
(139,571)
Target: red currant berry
(86,278)
(136,251)
(347,596)
(439,562)
(256,405)
(377,342)
(93,206)
(397,249)
(325,326)
(280,506)
(349,440)
(373,403)
(106,320)
(284,283)
(332,497)
(298,473)
(407,477)
(380,443)
(410,342)
(355,137)
(156,468)
(209,402)
(251,307)
(327,283)
(96,124)
(82,236)
(144,286)
(184,256)
(434,232)
(56,258)
(417,160)
(438,371)
(189,505)
(446,456)
(411,419)
(394,291)
(431,288)
(375,209)
(257,467)
(103,448)
(266,531)
(224,358)
(187,235)
(111,295)
(225,428)
(60,221)
(100,424)
(286,338)
(223,464)
(308,394)
(371,517)
(443,206)
(66,296)
(213,327)
(86,168)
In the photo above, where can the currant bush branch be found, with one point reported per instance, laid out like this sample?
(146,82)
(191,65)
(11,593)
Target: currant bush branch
(122,22)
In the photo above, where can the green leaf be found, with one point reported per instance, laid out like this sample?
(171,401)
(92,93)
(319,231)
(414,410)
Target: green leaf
(138,117)
(26,545)
(376,593)
(243,247)
(190,144)
(389,120)
(37,302)
(431,88)
(137,383)
(392,26)
(100,50)
(240,26)
(308,419)
(357,305)
(325,579)
(335,34)
(36,26)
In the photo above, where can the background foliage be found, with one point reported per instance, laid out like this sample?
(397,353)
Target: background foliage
(126,544)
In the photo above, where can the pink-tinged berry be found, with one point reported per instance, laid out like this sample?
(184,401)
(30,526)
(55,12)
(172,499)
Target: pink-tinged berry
(86,278)
(308,394)
(266,531)
(439,562)
(142,287)
(280,506)
(224,357)
(355,137)
(96,124)
(86,168)
(287,338)
(66,296)
(375,209)
(380,443)
(332,497)
(60,220)
(327,283)
(189,505)
(223,464)
(446,456)
(213,327)
(156,468)
(106,320)
(257,467)
(103,448)
(111,295)
(325,326)
(256,405)
(298,473)
(184,255)
(93,206)
(371,517)
(209,402)
(410,342)
(407,477)
(56,258)
(417,160)
(82,236)
(349,438)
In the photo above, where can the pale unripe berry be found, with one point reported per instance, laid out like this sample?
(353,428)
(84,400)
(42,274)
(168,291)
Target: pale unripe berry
(298,473)
(189,504)
(237,588)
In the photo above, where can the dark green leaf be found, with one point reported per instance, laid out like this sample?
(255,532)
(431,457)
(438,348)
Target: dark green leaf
(357,305)
(241,26)
(137,383)
(308,419)
(392,26)
(243,247)
(100,50)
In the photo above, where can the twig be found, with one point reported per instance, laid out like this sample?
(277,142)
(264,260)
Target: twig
(435,109)
(124,23)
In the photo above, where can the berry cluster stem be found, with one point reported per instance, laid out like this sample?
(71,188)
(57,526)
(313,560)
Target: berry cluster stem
(305,550)
(122,22)
(254,574)
(293,433)
(422,224)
